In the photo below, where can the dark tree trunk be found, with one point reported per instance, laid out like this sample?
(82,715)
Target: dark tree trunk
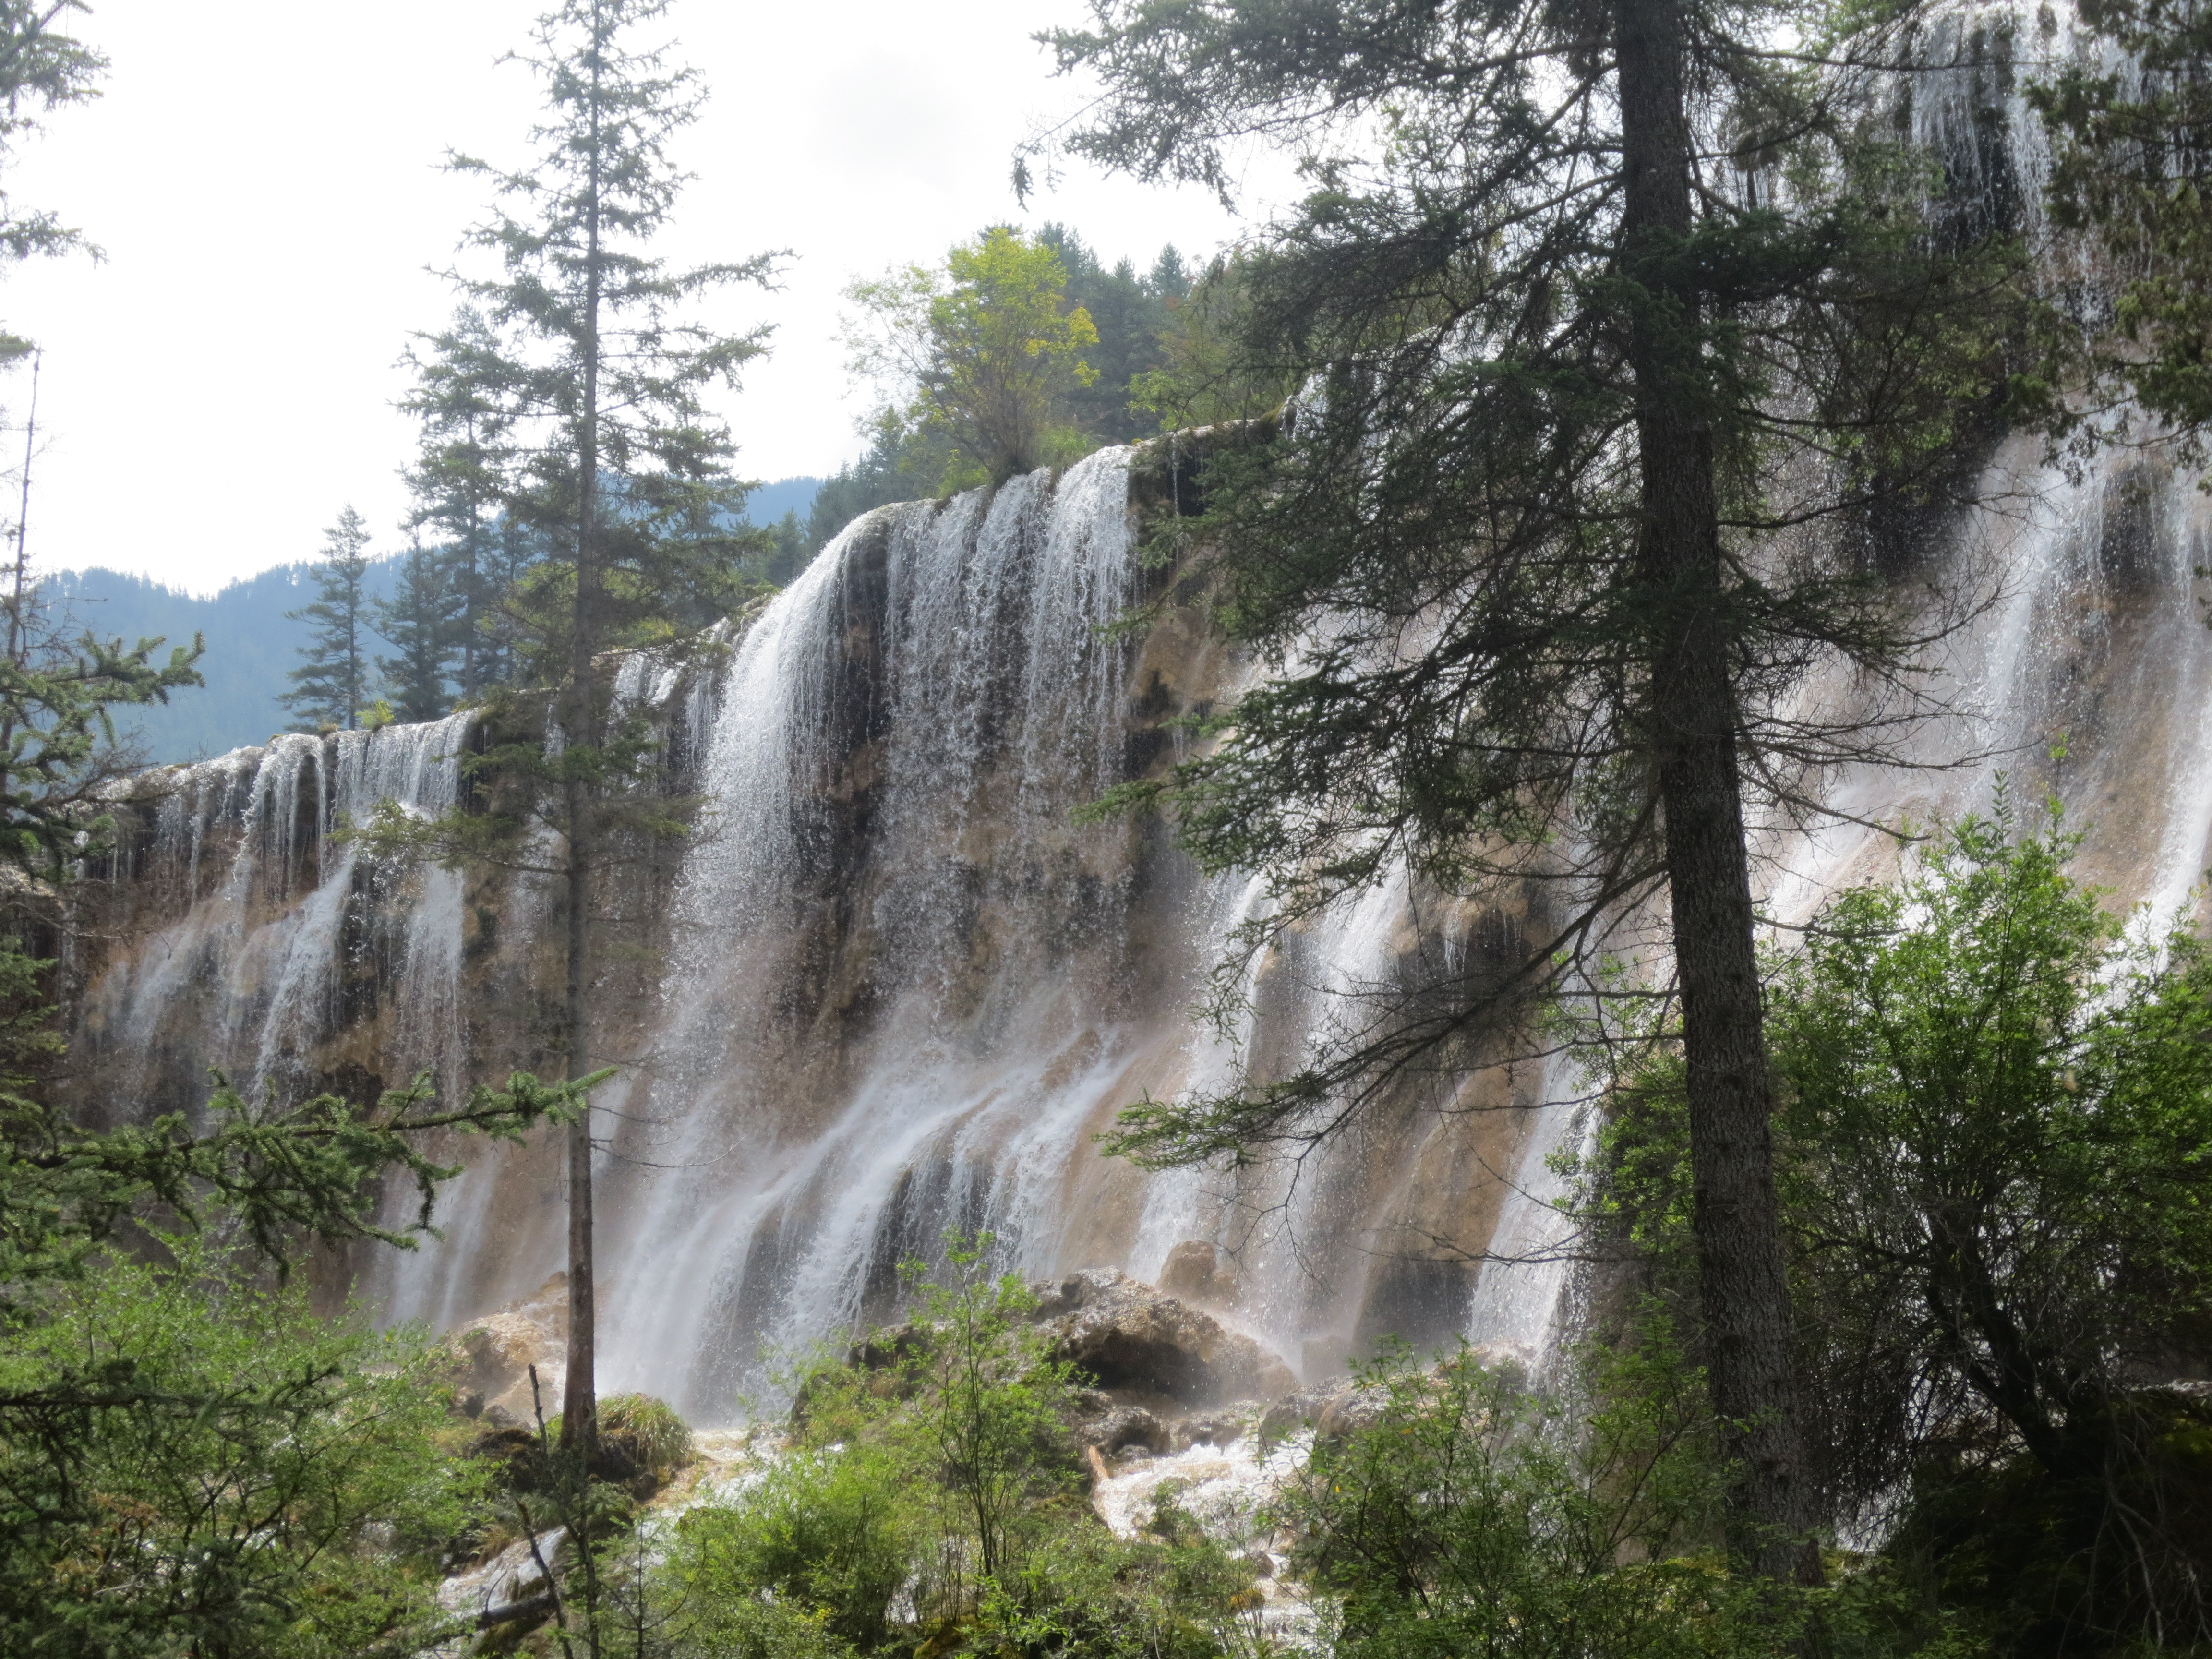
(580,1419)
(1737,1220)
(579,1386)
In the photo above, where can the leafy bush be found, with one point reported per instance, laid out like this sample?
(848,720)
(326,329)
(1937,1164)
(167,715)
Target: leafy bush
(1080,1591)
(1468,1517)
(1994,1153)
(832,1531)
(1998,1165)
(933,1503)
(190,1465)
(716,1621)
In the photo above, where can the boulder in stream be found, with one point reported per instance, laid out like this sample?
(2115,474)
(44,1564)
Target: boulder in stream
(1129,1335)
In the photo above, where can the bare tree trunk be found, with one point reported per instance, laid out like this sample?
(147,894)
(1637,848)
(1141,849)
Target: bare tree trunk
(1737,1218)
(18,631)
(579,1386)
(579,1410)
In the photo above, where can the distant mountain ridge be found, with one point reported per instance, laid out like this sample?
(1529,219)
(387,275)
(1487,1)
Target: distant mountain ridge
(251,644)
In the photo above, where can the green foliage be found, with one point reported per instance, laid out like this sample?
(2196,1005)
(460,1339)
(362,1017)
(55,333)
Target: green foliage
(1079,1590)
(190,1466)
(988,1406)
(1204,377)
(723,1618)
(645,1433)
(901,464)
(1478,350)
(790,551)
(932,1498)
(1996,1108)
(2128,170)
(1470,1515)
(1134,316)
(272,1170)
(456,481)
(1467,1517)
(331,682)
(913,454)
(423,620)
(991,349)
(42,69)
(833,1530)
(565,423)
(1998,1165)
(58,754)
(578,388)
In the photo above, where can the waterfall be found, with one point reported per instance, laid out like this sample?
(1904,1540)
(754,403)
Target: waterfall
(247,972)
(2084,679)
(892,987)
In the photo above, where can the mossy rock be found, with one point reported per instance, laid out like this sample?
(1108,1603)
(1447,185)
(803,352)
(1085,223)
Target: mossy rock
(643,1442)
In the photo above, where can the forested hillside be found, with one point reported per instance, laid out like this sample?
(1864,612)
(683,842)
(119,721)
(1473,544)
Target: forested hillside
(251,644)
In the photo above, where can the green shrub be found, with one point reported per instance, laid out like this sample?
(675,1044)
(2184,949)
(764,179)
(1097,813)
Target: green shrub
(933,1505)
(192,1465)
(715,1624)
(1079,1590)
(832,1531)
(1466,1517)
(1994,1110)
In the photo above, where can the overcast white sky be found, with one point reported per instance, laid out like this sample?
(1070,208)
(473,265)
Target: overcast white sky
(265,180)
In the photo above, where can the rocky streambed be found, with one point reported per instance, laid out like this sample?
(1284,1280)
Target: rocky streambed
(1177,1407)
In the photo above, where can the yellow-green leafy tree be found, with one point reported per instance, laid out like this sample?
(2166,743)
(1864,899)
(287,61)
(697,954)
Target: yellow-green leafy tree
(981,355)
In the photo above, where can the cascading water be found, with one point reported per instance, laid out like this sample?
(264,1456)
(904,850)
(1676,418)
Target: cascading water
(248,971)
(898,989)
(904,988)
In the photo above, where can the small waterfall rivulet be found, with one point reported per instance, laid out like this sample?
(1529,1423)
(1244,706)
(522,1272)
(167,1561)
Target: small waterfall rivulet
(892,985)
(261,938)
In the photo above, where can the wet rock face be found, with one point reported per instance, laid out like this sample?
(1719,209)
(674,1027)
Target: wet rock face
(1333,1409)
(1125,1334)
(1196,1271)
(492,1359)
(1114,1428)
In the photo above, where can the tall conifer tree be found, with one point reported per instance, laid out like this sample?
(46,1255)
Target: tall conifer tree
(422,621)
(457,482)
(331,682)
(586,385)
(1609,352)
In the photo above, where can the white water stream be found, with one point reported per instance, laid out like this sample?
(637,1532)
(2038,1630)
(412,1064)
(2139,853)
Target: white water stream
(901,990)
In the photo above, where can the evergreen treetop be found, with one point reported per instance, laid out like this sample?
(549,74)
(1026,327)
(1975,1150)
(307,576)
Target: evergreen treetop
(330,684)
(425,621)
(456,481)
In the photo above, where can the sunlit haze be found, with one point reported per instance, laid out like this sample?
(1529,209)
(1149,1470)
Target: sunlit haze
(265,183)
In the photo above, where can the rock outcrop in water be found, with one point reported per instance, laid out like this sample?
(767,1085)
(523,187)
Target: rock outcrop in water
(1127,1335)
(894,988)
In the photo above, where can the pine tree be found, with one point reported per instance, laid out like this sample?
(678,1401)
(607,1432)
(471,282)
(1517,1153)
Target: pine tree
(331,682)
(602,453)
(789,553)
(456,481)
(511,550)
(41,69)
(1131,314)
(423,620)
(1609,355)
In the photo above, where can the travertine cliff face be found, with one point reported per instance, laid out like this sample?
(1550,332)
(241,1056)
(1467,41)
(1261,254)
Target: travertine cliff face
(892,988)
